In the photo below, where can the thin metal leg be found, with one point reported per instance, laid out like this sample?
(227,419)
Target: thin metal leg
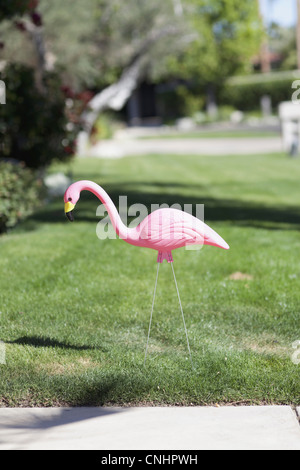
(186,333)
(158,265)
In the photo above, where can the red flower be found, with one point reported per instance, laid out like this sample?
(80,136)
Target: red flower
(36,18)
(67,91)
(32,5)
(85,96)
(69,150)
(20,26)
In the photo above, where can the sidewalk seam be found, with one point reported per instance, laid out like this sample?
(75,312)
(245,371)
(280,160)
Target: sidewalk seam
(297,414)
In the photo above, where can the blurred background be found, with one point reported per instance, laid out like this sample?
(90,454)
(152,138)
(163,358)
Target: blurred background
(78,74)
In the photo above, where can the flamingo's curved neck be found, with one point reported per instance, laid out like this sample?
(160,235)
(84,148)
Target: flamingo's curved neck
(121,229)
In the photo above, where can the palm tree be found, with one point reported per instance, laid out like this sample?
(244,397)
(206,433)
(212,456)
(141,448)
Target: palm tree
(298,34)
(264,50)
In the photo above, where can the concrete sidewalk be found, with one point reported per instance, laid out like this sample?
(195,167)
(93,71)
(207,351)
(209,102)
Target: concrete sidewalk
(208,146)
(150,428)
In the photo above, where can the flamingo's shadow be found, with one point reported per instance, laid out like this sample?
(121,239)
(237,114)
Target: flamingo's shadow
(45,342)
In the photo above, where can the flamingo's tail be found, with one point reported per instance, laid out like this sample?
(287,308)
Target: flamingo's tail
(213,238)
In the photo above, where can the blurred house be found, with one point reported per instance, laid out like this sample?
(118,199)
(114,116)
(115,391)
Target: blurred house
(141,108)
(267,61)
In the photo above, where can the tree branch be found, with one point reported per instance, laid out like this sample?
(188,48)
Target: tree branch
(36,36)
(116,95)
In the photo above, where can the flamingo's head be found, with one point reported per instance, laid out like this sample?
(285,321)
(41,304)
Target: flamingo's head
(71,198)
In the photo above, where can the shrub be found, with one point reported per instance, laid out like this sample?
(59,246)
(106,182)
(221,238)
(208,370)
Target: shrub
(20,193)
(33,123)
(179,101)
(245,93)
(103,129)
(10,8)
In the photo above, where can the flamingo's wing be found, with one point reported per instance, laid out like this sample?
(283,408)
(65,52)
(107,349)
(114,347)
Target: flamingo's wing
(171,229)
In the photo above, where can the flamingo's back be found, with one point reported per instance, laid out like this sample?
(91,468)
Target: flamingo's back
(167,229)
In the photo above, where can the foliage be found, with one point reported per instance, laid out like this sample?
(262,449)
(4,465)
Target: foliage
(33,122)
(20,193)
(212,40)
(10,8)
(103,128)
(229,33)
(246,94)
(179,102)
(283,42)
(103,36)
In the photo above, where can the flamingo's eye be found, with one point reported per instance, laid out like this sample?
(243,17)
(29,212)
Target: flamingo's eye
(70,199)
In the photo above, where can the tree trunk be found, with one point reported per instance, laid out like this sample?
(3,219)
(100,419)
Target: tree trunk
(116,95)
(37,38)
(211,102)
(264,49)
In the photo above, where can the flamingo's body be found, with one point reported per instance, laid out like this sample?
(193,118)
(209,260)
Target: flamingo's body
(168,229)
(164,230)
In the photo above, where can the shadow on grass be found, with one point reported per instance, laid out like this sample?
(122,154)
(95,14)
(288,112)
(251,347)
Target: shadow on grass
(241,213)
(44,342)
(111,390)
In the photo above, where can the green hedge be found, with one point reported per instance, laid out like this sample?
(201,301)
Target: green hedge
(33,123)
(245,93)
(20,193)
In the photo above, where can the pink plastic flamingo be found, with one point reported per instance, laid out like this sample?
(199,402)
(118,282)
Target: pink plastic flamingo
(164,230)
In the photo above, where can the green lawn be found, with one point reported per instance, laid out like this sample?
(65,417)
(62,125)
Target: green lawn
(214,134)
(75,310)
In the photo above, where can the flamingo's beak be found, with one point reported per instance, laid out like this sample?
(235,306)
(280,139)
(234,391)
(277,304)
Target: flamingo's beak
(69,211)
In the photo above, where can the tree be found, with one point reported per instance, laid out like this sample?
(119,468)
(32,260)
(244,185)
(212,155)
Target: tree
(229,34)
(101,38)
(282,41)
(117,94)
(114,46)
(105,44)
(111,45)
(22,15)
